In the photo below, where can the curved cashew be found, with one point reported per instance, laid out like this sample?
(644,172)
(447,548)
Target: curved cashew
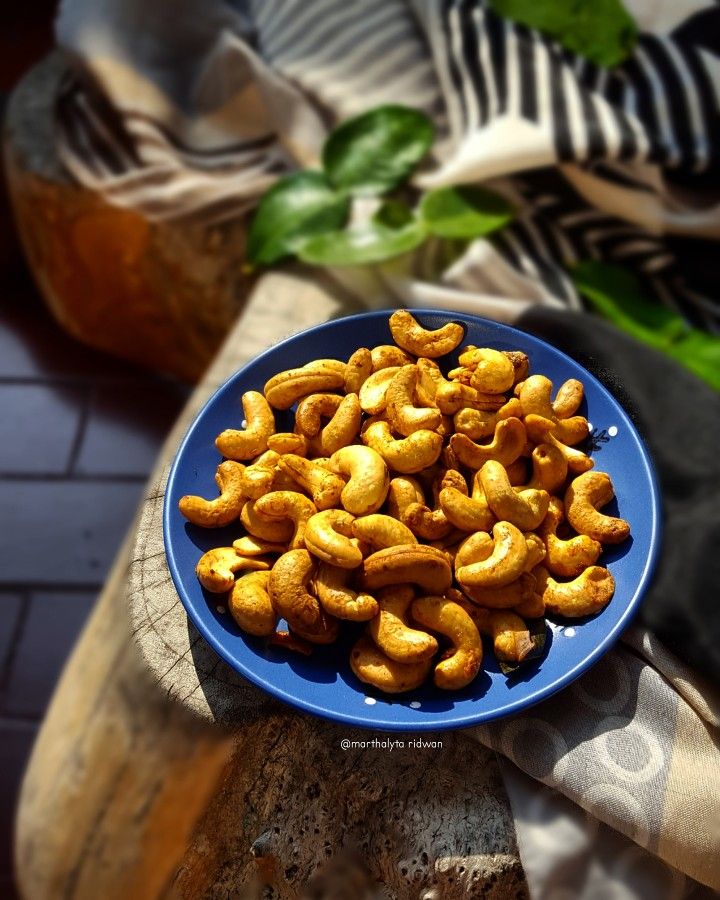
(311,409)
(493,372)
(392,633)
(288,505)
(403,491)
(411,454)
(433,389)
(277,531)
(217,568)
(585,494)
(253,439)
(520,362)
(477,423)
(505,563)
(338,599)
(526,509)
(536,551)
(566,558)
(535,398)
(404,415)
(583,596)
(386,355)
(408,564)
(250,605)
(253,546)
(532,607)
(329,536)
(359,369)
(373,667)
(511,638)
(379,531)
(509,596)
(344,414)
(429,524)
(288,442)
(540,431)
(474,548)
(258,478)
(506,446)
(373,393)
(568,398)
(285,388)
(223,509)
(324,487)
(289,581)
(466,513)
(550,468)
(463,664)
(369,481)
(411,336)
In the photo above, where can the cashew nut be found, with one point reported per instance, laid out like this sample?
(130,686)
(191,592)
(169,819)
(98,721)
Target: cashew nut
(392,633)
(379,531)
(277,531)
(511,638)
(535,398)
(550,468)
(433,389)
(466,513)
(477,423)
(288,442)
(285,388)
(223,509)
(250,605)
(338,599)
(253,439)
(324,487)
(505,563)
(409,563)
(359,369)
(474,548)
(253,546)
(289,581)
(462,664)
(429,524)
(568,398)
(373,393)
(329,536)
(373,667)
(570,557)
(506,446)
(540,431)
(414,453)
(311,409)
(493,371)
(526,509)
(509,596)
(583,596)
(217,568)
(258,478)
(288,505)
(585,494)
(369,481)
(403,491)
(411,336)
(386,355)
(404,415)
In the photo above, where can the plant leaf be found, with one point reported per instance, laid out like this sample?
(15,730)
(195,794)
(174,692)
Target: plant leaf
(393,214)
(602,31)
(617,295)
(369,243)
(538,634)
(300,204)
(464,211)
(376,151)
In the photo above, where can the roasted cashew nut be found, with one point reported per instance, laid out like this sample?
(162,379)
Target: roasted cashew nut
(411,336)
(385,356)
(466,513)
(415,453)
(493,371)
(311,410)
(288,505)
(324,487)
(252,441)
(223,509)
(509,596)
(373,667)
(550,468)
(535,398)
(403,491)
(277,531)
(583,596)
(288,442)
(408,564)
(359,369)
(379,531)
(250,605)
(505,563)
(478,423)
(285,388)
(429,524)
(373,393)
(369,481)
(536,551)
(568,398)
(289,581)
(540,431)
(404,415)
(338,599)
(506,446)
(474,548)
(392,633)
(216,569)
(445,617)
(253,546)
(258,478)
(567,558)
(433,389)
(343,427)
(511,638)
(585,494)
(526,509)
(329,536)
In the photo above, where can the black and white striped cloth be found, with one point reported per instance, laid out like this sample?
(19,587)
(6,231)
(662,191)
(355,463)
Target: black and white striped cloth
(192,109)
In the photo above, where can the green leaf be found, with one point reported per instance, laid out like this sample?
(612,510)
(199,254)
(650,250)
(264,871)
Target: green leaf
(298,205)
(600,30)
(617,295)
(369,243)
(393,214)
(376,151)
(464,211)
(537,629)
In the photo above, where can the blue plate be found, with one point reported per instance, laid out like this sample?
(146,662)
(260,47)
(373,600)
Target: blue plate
(324,684)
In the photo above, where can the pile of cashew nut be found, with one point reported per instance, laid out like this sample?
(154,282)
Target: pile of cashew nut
(435,506)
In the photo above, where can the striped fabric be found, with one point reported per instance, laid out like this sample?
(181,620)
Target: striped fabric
(198,118)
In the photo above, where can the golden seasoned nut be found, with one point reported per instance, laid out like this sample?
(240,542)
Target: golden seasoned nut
(324,487)
(583,596)
(535,398)
(506,446)
(474,548)
(408,564)
(373,393)
(288,505)
(359,369)
(526,509)
(549,468)
(404,416)
(340,600)
(511,638)
(252,441)
(253,546)
(566,558)
(250,605)
(216,569)
(329,536)
(411,454)
(509,596)
(493,371)
(373,667)
(311,410)
(369,480)
(288,442)
(411,336)
(403,491)
(392,633)
(583,497)
(343,427)
(480,423)
(223,509)
(291,598)
(285,388)
(462,665)
(277,531)
(466,513)
(540,431)
(429,524)
(385,356)
(258,478)
(505,563)
(379,531)
(568,398)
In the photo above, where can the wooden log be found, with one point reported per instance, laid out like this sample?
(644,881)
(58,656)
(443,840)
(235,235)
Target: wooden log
(161,294)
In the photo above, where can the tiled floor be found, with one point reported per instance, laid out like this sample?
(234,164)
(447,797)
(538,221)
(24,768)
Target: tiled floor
(80,432)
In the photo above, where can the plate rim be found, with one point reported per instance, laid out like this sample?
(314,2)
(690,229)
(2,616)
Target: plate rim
(449,722)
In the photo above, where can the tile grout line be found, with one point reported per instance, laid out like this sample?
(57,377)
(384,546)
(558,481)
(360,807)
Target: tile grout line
(88,404)
(9,662)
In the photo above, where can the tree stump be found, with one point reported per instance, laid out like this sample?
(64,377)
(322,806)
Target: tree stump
(159,293)
(183,781)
